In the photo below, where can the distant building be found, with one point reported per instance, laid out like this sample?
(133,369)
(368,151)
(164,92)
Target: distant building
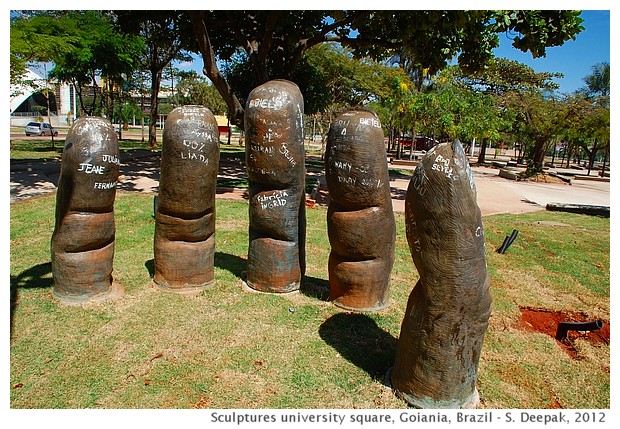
(28,101)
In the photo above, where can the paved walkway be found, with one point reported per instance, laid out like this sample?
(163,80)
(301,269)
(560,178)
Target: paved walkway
(140,173)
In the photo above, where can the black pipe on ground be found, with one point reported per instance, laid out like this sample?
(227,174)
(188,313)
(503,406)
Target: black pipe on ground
(564,327)
(508,241)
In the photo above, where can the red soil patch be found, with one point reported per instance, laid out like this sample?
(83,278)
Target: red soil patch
(546,322)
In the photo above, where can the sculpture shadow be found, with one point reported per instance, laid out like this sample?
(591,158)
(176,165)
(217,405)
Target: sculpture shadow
(150,266)
(33,277)
(315,288)
(231,263)
(359,340)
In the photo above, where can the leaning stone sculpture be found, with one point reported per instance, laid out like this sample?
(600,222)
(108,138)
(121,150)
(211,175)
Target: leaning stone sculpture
(360,220)
(184,244)
(448,311)
(275,162)
(82,245)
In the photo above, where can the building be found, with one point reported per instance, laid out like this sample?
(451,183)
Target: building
(27,101)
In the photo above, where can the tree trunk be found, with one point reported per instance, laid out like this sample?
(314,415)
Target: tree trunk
(605,161)
(212,72)
(592,156)
(483,151)
(537,162)
(155,83)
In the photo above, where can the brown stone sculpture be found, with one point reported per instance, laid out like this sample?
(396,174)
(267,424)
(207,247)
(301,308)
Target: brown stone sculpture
(82,244)
(360,220)
(448,311)
(275,161)
(184,244)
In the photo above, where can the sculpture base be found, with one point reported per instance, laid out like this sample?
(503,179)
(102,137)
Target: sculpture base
(427,403)
(186,290)
(115,291)
(247,287)
(379,307)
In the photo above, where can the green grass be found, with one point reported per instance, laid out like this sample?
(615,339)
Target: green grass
(228,348)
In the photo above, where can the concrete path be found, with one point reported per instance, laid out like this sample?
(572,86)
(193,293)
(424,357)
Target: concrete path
(140,173)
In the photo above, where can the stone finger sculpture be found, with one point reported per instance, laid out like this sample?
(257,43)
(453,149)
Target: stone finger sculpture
(448,311)
(184,244)
(82,243)
(360,220)
(275,162)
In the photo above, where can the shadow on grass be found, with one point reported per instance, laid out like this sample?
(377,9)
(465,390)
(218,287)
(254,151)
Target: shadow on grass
(359,340)
(33,277)
(150,266)
(315,288)
(231,263)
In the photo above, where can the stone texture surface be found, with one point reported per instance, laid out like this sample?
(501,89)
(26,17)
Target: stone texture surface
(360,220)
(275,162)
(82,244)
(448,310)
(184,244)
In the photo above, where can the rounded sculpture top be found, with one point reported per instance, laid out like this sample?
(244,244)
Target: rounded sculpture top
(356,168)
(90,157)
(190,157)
(275,133)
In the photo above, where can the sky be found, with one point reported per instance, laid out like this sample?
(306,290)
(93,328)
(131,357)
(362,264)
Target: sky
(575,58)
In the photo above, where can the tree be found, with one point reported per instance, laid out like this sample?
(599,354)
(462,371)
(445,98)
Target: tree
(83,47)
(598,83)
(162,33)
(194,89)
(433,38)
(37,37)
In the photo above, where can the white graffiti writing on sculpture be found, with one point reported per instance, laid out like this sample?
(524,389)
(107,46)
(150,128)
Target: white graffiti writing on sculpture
(371,122)
(111,159)
(442,165)
(284,151)
(194,151)
(269,150)
(419,180)
(89,168)
(342,122)
(266,103)
(347,180)
(342,165)
(104,185)
(194,145)
(194,156)
(371,183)
(276,199)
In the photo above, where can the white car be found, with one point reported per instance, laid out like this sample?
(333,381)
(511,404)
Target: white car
(40,129)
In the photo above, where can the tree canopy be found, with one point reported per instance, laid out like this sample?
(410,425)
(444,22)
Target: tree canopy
(430,38)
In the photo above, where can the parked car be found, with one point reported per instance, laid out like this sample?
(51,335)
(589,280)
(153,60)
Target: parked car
(40,129)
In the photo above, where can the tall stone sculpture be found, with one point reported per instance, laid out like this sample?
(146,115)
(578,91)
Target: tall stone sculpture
(448,310)
(82,244)
(360,220)
(184,244)
(275,161)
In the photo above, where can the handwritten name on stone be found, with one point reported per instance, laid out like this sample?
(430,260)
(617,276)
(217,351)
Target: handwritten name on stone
(194,151)
(89,168)
(266,103)
(276,199)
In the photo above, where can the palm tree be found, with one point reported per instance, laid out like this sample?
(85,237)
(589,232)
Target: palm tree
(597,83)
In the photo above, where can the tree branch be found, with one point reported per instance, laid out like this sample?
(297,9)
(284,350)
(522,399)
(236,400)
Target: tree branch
(211,70)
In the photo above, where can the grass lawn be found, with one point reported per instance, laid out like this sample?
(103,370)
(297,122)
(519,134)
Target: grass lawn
(228,348)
